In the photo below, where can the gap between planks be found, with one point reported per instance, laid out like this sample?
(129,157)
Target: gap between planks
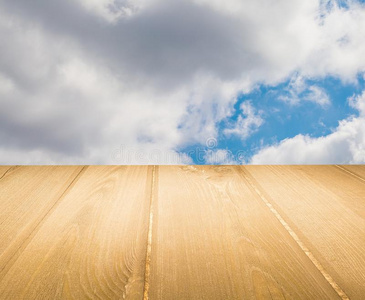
(26,241)
(349,172)
(300,243)
(147,272)
(7,171)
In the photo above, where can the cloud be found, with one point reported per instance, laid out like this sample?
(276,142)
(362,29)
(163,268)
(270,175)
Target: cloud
(247,122)
(341,42)
(345,145)
(265,41)
(113,10)
(219,157)
(317,95)
(80,78)
(358,102)
(299,90)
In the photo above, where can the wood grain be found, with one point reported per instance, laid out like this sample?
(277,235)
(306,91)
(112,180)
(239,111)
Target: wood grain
(27,195)
(215,239)
(92,245)
(326,208)
(3,170)
(182,232)
(357,171)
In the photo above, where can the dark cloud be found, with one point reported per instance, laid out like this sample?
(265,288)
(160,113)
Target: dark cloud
(167,43)
(67,126)
(75,81)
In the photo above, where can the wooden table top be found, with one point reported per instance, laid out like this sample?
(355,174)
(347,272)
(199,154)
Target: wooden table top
(182,232)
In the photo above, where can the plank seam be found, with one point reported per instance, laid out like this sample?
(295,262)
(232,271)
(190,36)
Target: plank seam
(147,272)
(300,243)
(32,233)
(7,171)
(349,172)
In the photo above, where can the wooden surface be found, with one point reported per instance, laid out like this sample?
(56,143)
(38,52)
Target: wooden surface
(182,232)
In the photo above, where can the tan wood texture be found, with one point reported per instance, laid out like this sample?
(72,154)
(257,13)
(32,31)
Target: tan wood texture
(325,207)
(4,170)
(27,196)
(215,239)
(356,171)
(182,232)
(91,246)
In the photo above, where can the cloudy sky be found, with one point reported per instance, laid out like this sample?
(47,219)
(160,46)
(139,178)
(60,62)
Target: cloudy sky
(182,81)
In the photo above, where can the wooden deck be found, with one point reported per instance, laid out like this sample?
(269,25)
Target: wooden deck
(182,232)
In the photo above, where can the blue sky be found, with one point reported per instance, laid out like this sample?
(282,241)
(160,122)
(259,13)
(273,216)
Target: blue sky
(158,81)
(282,121)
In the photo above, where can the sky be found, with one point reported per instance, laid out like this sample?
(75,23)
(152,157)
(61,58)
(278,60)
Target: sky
(182,82)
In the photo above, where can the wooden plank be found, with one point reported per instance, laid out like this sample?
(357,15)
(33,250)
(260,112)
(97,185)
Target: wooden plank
(27,194)
(3,170)
(346,188)
(214,238)
(330,220)
(6,170)
(357,171)
(107,232)
(93,245)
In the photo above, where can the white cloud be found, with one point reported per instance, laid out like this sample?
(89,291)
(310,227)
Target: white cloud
(6,85)
(340,44)
(247,122)
(219,157)
(358,102)
(299,90)
(316,38)
(317,95)
(79,78)
(113,10)
(346,144)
